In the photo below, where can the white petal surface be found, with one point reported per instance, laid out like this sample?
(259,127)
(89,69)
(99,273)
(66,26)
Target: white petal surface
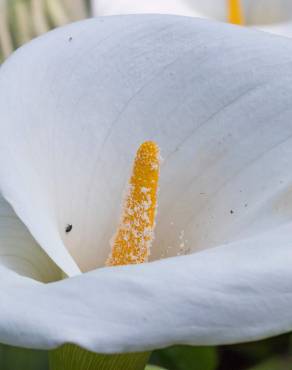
(75,105)
(194,8)
(282,29)
(177,7)
(19,252)
(228,294)
(78,102)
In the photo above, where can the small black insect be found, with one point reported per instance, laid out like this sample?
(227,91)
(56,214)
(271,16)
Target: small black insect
(70,38)
(69,227)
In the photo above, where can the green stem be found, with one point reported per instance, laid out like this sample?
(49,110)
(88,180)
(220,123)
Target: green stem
(71,357)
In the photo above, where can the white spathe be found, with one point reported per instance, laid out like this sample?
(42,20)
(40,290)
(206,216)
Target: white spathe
(18,250)
(274,16)
(75,104)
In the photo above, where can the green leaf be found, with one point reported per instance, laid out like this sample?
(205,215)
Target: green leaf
(153,367)
(14,358)
(260,351)
(71,357)
(186,358)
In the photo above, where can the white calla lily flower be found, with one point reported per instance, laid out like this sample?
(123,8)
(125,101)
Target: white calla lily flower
(274,16)
(75,104)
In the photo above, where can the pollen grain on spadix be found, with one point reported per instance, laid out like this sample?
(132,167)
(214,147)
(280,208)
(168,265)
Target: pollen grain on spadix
(235,13)
(132,242)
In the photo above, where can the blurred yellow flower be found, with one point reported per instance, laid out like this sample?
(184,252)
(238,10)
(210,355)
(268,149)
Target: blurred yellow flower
(273,16)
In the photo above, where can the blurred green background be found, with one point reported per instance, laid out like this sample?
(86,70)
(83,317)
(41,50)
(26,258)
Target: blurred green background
(270,354)
(22,20)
